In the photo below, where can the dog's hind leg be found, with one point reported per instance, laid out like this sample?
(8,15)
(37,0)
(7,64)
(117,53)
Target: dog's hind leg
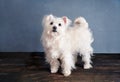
(86,58)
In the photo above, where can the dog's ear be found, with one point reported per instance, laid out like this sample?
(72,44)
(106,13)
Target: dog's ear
(66,20)
(49,17)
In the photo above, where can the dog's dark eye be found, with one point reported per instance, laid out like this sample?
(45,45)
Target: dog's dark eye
(51,23)
(59,24)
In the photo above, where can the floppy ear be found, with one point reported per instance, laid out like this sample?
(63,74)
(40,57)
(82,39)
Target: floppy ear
(66,20)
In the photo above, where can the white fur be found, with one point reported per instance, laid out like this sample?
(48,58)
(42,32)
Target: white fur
(66,42)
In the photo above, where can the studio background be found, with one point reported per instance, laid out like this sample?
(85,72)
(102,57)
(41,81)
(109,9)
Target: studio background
(21,29)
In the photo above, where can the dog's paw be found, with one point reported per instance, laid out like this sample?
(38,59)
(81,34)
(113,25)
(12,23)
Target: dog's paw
(54,70)
(87,66)
(66,73)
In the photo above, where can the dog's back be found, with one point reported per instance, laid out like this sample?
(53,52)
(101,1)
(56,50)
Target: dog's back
(80,35)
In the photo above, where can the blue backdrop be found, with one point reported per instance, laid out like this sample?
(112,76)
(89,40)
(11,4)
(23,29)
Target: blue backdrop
(20,22)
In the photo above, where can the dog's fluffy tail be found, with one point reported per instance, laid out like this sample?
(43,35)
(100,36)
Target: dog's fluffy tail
(81,22)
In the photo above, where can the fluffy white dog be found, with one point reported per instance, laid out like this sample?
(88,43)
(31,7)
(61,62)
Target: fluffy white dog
(63,42)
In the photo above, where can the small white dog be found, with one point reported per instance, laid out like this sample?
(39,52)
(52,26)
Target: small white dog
(60,41)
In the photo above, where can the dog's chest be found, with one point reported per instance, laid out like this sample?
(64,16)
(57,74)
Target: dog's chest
(52,42)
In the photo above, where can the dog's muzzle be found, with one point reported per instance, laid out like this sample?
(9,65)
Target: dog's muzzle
(54,29)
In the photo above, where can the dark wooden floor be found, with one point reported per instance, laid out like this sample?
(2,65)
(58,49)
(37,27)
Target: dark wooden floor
(31,67)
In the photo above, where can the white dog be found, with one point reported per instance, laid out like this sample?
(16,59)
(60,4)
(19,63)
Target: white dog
(60,41)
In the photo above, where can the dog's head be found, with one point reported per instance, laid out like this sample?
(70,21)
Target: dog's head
(55,25)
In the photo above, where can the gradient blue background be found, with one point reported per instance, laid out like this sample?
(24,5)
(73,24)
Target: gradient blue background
(20,22)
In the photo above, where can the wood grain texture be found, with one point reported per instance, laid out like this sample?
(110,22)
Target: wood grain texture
(31,67)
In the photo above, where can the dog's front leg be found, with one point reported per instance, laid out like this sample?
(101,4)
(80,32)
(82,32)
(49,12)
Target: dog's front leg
(54,65)
(67,64)
(53,61)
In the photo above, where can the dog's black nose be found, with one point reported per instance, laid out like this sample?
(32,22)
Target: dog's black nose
(54,29)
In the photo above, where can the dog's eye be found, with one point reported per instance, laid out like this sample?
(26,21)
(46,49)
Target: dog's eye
(51,23)
(59,24)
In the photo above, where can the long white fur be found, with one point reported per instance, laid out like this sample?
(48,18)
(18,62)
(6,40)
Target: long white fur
(66,43)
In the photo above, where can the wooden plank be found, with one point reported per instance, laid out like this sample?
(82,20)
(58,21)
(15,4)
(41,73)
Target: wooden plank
(31,67)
